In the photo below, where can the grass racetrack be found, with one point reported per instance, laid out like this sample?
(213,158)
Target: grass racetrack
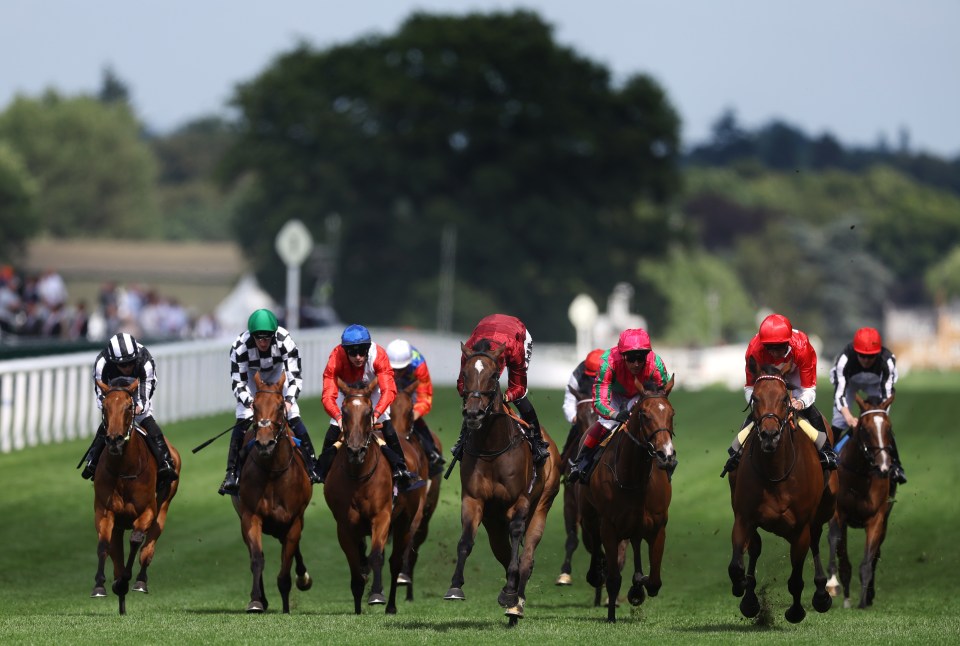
(200,578)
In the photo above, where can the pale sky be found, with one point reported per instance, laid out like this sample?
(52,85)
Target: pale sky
(860,69)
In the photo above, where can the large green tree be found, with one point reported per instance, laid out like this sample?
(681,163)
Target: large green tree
(480,122)
(18,219)
(95,174)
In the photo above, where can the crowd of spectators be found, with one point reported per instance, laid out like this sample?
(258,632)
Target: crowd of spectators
(38,307)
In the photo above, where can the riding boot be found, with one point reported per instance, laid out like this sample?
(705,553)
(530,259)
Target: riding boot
(93,454)
(429,447)
(582,465)
(231,482)
(166,472)
(457,449)
(327,453)
(540,449)
(896,474)
(732,462)
(306,449)
(828,459)
(402,478)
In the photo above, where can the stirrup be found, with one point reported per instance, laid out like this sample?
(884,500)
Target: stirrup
(89,471)
(407,481)
(897,474)
(828,459)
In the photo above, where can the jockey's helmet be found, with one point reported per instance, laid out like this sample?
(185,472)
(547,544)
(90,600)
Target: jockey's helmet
(355,335)
(867,341)
(591,365)
(122,348)
(775,329)
(262,320)
(635,340)
(400,354)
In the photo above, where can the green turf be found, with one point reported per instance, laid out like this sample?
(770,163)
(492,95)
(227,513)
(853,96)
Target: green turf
(200,579)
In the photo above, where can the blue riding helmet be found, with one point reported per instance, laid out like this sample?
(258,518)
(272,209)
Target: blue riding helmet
(355,335)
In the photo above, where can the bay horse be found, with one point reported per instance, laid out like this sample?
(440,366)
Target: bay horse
(628,497)
(273,495)
(500,485)
(586,415)
(401,412)
(779,488)
(866,497)
(125,492)
(359,491)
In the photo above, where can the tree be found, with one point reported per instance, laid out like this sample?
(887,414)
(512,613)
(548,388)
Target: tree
(94,174)
(18,219)
(480,121)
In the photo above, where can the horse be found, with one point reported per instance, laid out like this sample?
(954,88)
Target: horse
(125,492)
(628,498)
(359,492)
(500,486)
(781,489)
(586,415)
(866,497)
(401,413)
(274,494)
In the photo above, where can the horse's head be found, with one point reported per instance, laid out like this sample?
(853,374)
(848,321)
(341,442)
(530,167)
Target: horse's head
(269,414)
(651,424)
(770,405)
(481,382)
(874,435)
(401,410)
(357,421)
(118,411)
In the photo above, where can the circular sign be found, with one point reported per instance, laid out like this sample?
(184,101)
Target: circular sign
(294,243)
(582,312)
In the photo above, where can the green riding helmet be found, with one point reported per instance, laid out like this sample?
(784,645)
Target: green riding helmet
(262,321)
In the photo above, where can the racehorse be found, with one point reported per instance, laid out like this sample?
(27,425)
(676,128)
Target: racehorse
(359,491)
(125,492)
(586,415)
(628,497)
(866,497)
(401,413)
(781,489)
(499,484)
(274,493)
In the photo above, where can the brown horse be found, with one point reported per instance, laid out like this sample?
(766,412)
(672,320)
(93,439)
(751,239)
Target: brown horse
(780,488)
(125,493)
(274,493)
(359,490)
(586,415)
(628,497)
(499,484)
(401,412)
(866,497)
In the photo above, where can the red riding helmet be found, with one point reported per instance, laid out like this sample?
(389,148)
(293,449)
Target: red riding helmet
(634,340)
(775,328)
(867,341)
(591,365)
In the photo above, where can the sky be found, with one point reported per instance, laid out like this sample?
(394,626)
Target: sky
(861,70)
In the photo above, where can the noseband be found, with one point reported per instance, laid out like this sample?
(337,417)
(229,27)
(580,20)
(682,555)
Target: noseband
(132,424)
(869,451)
(781,422)
(265,422)
(480,394)
(647,443)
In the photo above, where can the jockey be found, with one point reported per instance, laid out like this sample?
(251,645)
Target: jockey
(358,361)
(267,348)
(868,366)
(622,368)
(789,350)
(125,357)
(409,366)
(579,385)
(509,331)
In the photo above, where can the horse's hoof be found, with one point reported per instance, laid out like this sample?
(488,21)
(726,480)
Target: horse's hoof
(455,594)
(636,594)
(98,591)
(795,614)
(255,607)
(822,601)
(750,606)
(847,603)
(304,582)
(376,599)
(833,586)
(517,610)
(507,599)
(564,579)
(140,586)
(403,579)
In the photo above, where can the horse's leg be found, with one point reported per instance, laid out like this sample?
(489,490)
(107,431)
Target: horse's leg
(252,529)
(532,537)
(379,532)
(116,555)
(509,596)
(402,541)
(290,547)
(570,521)
(636,594)
(655,548)
(833,538)
(798,555)
(611,547)
(353,549)
(471,511)
(821,598)
(104,526)
(150,544)
(750,604)
(739,538)
(875,530)
(304,582)
(589,523)
(846,569)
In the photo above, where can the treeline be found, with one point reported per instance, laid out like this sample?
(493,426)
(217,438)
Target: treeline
(552,179)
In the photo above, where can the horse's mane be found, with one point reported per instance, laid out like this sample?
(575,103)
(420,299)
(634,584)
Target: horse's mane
(484,345)
(873,400)
(772,370)
(121,382)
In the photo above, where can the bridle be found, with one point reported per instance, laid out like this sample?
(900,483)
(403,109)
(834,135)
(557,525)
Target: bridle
(869,451)
(278,425)
(480,394)
(129,430)
(646,446)
(781,421)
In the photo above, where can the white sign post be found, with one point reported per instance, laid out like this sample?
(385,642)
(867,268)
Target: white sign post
(583,314)
(294,244)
